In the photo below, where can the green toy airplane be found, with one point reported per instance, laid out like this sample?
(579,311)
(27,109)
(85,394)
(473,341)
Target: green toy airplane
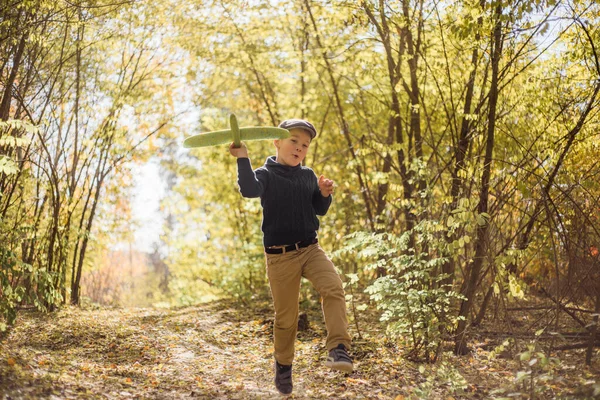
(235,135)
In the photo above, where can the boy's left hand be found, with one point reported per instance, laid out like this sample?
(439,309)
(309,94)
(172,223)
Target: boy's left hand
(326,186)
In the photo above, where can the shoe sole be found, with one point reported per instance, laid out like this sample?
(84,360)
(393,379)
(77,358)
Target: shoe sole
(281,393)
(340,366)
(284,394)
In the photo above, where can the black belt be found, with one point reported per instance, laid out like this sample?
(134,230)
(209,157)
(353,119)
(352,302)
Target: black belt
(292,247)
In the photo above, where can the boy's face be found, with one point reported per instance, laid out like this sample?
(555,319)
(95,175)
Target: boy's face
(291,151)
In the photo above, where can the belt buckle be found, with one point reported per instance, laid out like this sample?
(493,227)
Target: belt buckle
(284,248)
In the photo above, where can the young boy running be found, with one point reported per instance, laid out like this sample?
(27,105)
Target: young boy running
(291,197)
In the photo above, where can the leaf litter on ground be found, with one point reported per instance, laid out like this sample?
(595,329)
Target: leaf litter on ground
(223,350)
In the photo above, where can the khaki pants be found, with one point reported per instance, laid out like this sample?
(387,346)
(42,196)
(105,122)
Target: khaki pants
(284,272)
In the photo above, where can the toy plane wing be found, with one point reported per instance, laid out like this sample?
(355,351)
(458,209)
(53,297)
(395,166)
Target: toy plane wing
(235,134)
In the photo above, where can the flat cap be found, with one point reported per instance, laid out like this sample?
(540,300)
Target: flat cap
(300,124)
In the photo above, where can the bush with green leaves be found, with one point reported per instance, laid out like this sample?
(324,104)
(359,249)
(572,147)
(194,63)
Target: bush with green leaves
(536,376)
(22,283)
(415,303)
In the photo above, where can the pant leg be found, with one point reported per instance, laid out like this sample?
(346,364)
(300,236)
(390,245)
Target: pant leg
(319,270)
(284,273)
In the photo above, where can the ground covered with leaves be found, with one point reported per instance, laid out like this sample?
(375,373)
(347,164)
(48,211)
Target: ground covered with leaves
(222,350)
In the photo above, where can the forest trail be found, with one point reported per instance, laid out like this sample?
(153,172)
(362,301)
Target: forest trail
(216,350)
(219,350)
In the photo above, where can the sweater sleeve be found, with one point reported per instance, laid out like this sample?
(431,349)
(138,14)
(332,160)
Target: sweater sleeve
(320,204)
(251,184)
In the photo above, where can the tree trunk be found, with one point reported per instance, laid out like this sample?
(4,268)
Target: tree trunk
(343,123)
(75,284)
(460,346)
(8,86)
(594,330)
(460,151)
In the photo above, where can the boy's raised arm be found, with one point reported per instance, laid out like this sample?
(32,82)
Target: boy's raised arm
(250,185)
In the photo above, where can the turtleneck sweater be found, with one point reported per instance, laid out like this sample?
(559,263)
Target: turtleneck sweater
(290,198)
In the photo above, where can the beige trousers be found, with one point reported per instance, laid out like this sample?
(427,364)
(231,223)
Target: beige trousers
(284,272)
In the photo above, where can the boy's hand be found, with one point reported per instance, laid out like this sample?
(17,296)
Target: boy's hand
(239,152)
(326,186)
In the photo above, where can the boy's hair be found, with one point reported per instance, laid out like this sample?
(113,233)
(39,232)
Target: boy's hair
(299,124)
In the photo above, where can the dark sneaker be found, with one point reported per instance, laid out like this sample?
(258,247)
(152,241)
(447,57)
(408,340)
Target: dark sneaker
(339,359)
(283,378)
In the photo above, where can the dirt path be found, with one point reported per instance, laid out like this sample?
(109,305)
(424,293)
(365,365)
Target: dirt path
(210,351)
(215,351)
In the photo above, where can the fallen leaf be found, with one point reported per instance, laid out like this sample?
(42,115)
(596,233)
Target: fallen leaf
(352,380)
(11,361)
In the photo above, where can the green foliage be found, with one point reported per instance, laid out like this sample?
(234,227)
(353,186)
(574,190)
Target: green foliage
(444,376)
(500,349)
(415,303)
(218,246)
(22,283)
(8,165)
(509,284)
(101,90)
(102,81)
(535,377)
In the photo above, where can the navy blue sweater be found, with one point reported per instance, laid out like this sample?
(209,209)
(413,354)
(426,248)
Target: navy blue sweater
(290,198)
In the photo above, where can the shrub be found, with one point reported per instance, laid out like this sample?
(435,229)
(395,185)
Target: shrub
(414,302)
(22,283)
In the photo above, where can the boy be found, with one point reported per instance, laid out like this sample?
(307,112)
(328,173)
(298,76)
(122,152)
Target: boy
(292,197)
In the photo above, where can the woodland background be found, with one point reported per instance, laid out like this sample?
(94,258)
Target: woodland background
(463,137)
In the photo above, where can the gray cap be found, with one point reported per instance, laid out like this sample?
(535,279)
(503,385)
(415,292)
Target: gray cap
(300,124)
